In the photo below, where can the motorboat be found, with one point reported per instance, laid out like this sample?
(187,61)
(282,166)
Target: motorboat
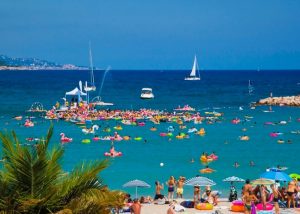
(147,93)
(98,102)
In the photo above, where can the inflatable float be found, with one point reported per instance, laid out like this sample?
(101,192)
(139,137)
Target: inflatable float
(201,132)
(115,154)
(244,138)
(96,138)
(86,141)
(91,130)
(235,121)
(126,138)
(153,129)
(118,128)
(213,156)
(204,206)
(237,206)
(268,206)
(28,123)
(205,159)
(65,139)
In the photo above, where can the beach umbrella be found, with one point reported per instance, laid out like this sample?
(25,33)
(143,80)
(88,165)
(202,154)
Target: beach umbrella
(276,175)
(294,176)
(199,181)
(136,183)
(233,179)
(262,181)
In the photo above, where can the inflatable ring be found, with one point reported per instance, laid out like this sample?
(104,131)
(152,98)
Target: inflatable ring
(204,206)
(126,138)
(237,208)
(268,206)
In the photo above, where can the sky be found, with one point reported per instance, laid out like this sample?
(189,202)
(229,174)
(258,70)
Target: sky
(157,34)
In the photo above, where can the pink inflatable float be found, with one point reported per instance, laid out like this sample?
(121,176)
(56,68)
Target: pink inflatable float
(268,206)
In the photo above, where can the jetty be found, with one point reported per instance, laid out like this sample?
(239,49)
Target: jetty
(280,101)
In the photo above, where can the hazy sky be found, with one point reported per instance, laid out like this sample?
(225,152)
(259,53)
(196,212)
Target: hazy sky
(156,34)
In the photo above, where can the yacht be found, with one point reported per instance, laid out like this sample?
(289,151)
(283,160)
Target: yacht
(147,93)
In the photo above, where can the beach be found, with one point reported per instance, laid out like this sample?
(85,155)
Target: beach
(223,207)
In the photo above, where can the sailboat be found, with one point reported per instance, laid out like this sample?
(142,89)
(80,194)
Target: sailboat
(250,88)
(91,87)
(193,72)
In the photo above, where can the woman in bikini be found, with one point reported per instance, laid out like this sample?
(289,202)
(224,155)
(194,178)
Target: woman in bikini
(276,195)
(197,195)
(171,187)
(263,196)
(291,190)
(248,198)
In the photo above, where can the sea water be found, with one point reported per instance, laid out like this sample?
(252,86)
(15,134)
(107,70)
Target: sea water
(220,91)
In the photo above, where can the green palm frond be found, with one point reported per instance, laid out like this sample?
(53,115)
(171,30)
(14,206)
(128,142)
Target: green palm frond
(81,179)
(97,201)
(32,181)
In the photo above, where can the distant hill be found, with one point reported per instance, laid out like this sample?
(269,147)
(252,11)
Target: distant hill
(10,63)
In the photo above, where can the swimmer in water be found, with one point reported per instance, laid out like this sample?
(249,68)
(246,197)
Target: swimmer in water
(192,160)
(236,164)
(251,163)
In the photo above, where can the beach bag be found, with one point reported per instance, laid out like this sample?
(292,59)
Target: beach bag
(253,208)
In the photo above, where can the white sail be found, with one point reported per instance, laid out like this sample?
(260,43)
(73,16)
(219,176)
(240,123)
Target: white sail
(193,73)
(195,70)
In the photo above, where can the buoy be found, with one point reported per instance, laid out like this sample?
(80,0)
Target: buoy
(161,164)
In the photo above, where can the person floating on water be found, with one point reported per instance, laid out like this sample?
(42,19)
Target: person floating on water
(251,163)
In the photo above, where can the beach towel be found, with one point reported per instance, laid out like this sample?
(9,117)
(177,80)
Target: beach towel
(187,204)
(179,208)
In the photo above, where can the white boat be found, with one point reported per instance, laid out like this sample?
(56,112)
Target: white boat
(195,70)
(147,93)
(98,102)
(91,87)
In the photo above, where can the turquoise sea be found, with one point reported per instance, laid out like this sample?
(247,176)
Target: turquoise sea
(220,91)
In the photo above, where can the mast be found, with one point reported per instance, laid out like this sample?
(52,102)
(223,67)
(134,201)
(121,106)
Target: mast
(91,64)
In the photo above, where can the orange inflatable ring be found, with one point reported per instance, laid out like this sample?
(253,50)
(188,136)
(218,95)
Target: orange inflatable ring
(237,208)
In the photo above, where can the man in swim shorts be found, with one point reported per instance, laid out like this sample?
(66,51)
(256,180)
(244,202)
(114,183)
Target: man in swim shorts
(158,188)
(180,184)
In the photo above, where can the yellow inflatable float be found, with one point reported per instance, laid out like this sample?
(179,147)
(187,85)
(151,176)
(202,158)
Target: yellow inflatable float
(204,206)
(201,132)
(205,159)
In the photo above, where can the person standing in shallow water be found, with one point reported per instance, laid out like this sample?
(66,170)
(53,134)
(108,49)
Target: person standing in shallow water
(276,195)
(158,188)
(180,184)
(171,187)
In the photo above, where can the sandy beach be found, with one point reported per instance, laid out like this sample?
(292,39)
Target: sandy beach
(222,207)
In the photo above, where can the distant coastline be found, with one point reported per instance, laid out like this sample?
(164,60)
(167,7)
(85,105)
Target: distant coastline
(9,63)
(39,68)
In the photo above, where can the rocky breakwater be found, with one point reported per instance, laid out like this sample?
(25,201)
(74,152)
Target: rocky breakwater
(280,101)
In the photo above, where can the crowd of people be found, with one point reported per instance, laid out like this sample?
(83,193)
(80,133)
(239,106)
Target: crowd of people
(278,196)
